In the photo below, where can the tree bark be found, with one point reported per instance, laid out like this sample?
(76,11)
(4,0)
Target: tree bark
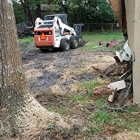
(29,15)
(26,8)
(38,11)
(20,113)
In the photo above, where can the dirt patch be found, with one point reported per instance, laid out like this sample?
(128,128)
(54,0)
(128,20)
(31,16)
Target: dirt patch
(57,71)
(126,136)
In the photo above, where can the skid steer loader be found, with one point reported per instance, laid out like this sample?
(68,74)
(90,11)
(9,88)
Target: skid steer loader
(54,32)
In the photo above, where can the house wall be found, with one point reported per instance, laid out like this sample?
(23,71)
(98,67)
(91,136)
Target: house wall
(133,29)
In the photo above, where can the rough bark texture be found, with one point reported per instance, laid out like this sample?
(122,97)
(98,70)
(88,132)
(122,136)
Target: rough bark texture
(20,113)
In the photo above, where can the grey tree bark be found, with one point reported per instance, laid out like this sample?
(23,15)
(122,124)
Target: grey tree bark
(20,113)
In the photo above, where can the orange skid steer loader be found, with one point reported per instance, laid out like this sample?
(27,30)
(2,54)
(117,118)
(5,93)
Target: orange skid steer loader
(54,32)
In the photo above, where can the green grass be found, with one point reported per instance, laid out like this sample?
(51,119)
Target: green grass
(28,43)
(80,98)
(94,39)
(117,120)
(26,39)
(104,37)
(102,116)
(89,85)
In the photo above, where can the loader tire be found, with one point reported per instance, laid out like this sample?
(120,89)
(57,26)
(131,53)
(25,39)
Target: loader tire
(73,42)
(64,44)
(44,50)
(47,50)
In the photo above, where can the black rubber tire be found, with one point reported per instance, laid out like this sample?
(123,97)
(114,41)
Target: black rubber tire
(64,44)
(44,50)
(73,42)
(21,36)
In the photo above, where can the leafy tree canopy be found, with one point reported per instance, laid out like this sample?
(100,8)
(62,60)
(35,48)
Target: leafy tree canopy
(85,11)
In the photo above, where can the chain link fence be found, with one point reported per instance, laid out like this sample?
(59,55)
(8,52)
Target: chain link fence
(92,27)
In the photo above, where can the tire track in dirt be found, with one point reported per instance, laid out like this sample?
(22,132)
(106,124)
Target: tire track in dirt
(57,71)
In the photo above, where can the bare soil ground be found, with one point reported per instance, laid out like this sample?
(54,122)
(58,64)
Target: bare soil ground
(53,79)
(57,71)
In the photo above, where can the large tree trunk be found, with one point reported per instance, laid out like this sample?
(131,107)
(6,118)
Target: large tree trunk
(20,113)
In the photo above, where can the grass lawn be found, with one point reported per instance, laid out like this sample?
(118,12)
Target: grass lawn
(99,116)
(26,39)
(94,39)
(91,37)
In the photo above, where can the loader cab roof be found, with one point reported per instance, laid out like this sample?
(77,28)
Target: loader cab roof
(63,17)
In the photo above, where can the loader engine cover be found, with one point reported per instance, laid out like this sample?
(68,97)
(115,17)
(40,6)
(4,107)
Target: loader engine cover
(44,37)
(54,32)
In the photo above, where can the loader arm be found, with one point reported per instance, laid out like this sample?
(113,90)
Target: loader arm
(63,26)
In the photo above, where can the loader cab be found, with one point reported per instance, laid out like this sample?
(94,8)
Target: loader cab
(63,17)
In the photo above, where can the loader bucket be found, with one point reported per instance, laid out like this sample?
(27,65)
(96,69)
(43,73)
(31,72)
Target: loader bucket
(82,42)
(78,30)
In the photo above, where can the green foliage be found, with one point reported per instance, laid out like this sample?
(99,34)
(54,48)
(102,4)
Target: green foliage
(33,3)
(91,11)
(19,14)
(103,12)
(51,9)
(79,11)
(27,9)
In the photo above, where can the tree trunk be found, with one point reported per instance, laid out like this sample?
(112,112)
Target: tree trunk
(26,8)
(29,15)
(38,11)
(20,113)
